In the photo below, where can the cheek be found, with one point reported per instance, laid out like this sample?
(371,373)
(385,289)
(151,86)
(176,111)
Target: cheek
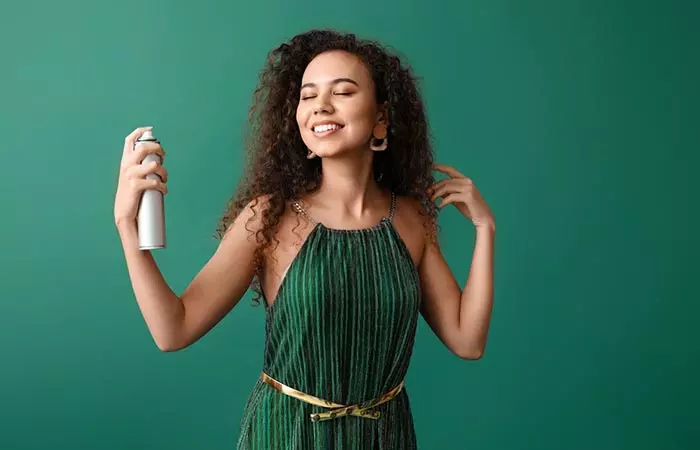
(363,120)
(364,113)
(301,118)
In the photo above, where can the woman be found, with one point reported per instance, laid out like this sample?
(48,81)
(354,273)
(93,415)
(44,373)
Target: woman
(334,224)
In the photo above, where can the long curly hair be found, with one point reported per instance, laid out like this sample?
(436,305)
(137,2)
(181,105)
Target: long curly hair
(276,164)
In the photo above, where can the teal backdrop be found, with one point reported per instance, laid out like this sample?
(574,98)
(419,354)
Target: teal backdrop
(577,120)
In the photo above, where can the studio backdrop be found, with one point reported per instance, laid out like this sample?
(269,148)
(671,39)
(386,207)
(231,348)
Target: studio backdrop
(577,120)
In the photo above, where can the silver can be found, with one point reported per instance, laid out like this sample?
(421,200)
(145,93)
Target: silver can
(151,214)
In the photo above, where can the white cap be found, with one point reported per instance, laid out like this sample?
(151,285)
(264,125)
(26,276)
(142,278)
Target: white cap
(147,136)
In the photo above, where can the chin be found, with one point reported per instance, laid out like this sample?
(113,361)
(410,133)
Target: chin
(329,153)
(333,151)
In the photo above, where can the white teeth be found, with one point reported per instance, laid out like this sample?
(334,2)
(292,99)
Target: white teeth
(323,128)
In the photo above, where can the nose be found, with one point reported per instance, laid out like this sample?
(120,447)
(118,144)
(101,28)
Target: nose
(322,105)
(323,109)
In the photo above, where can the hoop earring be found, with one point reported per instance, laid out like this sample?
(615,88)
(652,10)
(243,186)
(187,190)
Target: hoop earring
(379,134)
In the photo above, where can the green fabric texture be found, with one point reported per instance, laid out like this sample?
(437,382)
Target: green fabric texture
(341,328)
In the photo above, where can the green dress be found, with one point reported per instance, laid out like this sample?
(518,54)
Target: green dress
(341,328)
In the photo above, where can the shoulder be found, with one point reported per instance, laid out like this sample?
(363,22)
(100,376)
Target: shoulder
(267,224)
(412,210)
(249,220)
(277,219)
(413,224)
(406,203)
(250,215)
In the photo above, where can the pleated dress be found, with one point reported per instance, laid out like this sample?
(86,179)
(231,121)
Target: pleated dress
(341,331)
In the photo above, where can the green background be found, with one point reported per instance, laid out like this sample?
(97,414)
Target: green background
(577,120)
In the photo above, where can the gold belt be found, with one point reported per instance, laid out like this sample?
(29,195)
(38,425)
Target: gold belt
(363,409)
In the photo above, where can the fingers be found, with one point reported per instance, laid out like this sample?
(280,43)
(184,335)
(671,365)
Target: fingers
(132,155)
(131,138)
(438,185)
(142,184)
(457,181)
(142,170)
(441,190)
(144,149)
(451,171)
(449,185)
(449,199)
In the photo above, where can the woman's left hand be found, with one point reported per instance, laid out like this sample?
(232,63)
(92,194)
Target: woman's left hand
(461,191)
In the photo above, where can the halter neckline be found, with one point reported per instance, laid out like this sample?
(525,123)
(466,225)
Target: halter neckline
(383,220)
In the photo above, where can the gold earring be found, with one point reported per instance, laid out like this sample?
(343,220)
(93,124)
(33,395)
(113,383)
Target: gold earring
(379,134)
(379,131)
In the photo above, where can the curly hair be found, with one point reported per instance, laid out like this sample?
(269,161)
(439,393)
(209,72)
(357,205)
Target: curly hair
(277,168)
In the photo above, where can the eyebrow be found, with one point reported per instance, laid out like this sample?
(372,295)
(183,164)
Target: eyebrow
(336,81)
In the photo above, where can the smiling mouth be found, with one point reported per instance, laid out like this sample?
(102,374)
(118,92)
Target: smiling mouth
(326,129)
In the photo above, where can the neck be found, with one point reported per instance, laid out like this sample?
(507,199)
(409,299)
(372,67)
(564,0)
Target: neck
(347,186)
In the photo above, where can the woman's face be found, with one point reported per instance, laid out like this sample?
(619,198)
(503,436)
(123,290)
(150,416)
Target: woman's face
(337,107)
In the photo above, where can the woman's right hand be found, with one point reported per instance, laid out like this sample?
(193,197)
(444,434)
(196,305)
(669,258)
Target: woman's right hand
(132,176)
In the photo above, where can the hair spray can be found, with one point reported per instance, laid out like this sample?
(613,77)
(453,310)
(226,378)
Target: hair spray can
(151,213)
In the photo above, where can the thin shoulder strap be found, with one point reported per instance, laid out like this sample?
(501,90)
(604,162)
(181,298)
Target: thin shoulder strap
(392,210)
(297,207)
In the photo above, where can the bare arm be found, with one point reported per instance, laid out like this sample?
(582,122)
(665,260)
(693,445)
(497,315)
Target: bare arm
(177,322)
(459,318)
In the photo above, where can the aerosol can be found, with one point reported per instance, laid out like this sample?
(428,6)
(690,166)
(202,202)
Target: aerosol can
(151,214)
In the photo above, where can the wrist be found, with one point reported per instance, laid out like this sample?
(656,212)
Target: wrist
(486,226)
